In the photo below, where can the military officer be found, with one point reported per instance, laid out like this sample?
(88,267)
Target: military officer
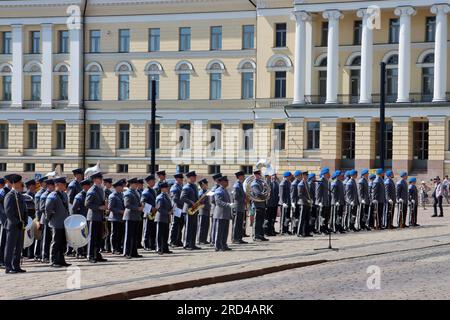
(162,218)
(16,217)
(222,214)
(132,215)
(57,210)
(338,200)
(213,189)
(37,197)
(189,196)
(272,206)
(177,204)
(352,201)
(107,185)
(240,200)
(161,175)
(390,194)
(402,199)
(5,188)
(203,214)
(259,206)
(370,217)
(312,184)
(47,234)
(364,199)
(378,197)
(74,187)
(149,197)
(95,202)
(294,199)
(31,188)
(285,202)
(78,207)
(304,202)
(31,192)
(116,210)
(413,196)
(323,199)
(140,187)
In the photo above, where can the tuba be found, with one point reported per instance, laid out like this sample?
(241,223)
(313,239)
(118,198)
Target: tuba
(56,173)
(92,170)
(263,163)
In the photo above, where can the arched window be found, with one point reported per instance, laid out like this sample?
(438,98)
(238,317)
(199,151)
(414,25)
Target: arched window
(62,71)
(279,64)
(184,69)
(94,68)
(6,80)
(153,70)
(427,64)
(321,65)
(123,71)
(33,69)
(215,68)
(94,71)
(247,68)
(392,77)
(355,74)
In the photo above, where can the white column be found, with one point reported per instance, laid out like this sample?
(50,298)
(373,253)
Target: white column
(333,17)
(365,89)
(440,52)
(47,65)
(404,52)
(17,60)
(300,56)
(309,56)
(75,80)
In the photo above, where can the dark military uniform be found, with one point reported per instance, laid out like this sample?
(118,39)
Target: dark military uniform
(116,211)
(38,216)
(285,203)
(322,198)
(314,209)
(390,194)
(364,201)
(132,216)
(149,232)
(351,199)
(73,189)
(256,190)
(162,220)
(106,243)
(413,196)
(3,230)
(222,214)
(402,201)
(378,198)
(79,207)
(305,203)
(203,219)
(94,199)
(189,195)
(47,234)
(177,224)
(239,198)
(212,235)
(295,205)
(272,208)
(337,203)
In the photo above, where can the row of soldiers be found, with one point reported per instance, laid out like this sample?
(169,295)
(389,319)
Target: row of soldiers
(342,201)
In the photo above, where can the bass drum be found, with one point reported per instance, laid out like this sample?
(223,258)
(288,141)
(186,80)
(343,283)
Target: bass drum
(28,237)
(77,232)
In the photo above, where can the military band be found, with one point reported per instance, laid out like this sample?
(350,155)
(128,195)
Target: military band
(179,214)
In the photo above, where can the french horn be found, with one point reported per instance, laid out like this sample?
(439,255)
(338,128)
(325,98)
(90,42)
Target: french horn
(268,170)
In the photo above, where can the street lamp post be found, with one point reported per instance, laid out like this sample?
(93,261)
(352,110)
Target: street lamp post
(382,113)
(153,129)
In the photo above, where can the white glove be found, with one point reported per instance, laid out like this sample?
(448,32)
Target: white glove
(320,205)
(390,201)
(363,201)
(337,203)
(285,205)
(293,204)
(400,200)
(375,201)
(310,201)
(233,205)
(413,201)
(352,203)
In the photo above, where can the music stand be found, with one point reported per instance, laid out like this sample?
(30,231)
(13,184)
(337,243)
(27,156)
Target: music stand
(330,247)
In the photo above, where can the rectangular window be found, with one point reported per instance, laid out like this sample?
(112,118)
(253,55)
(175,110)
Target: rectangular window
(348,141)
(216,38)
(6,42)
(280,84)
(322,85)
(247,85)
(4,135)
(394,30)
(124,136)
(280,35)
(149,168)
(154,37)
(29,167)
(183,168)
(185,136)
(94,136)
(124,87)
(247,169)
(313,134)
(185,39)
(63,87)
(324,34)
(124,40)
(213,169)
(35,42)
(150,78)
(60,165)
(215,86)
(387,140)
(215,136)
(184,86)
(248,37)
(94,42)
(32,136)
(7,87)
(157,136)
(3,166)
(279,136)
(122,168)
(63,41)
(357,32)
(61,136)
(94,87)
(36,88)
(430,29)
(247,129)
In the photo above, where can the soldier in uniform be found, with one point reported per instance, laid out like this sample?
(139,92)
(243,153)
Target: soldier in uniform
(259,205)
(31,188)
(315,224)
(16,217)
(364,199)
(37,197)
(413,196)
(272,206)
(79,207)
(323,199)
(74,187)
(140,190)
(31,192)
(4,189)
(149,231)
(338,200)
(240,200)
(305,203)
(402,199)
(162,219)
(213,226)
(161,175)
(57,210)
(378,196)
(294,199)
(189,196)
(370,221)
(177,204)
(106,243)
(132,216)
(285,201)
(116,210)
(95,202)
(203,214)
(390,192)
(222,214)
(47,232)
(352,201)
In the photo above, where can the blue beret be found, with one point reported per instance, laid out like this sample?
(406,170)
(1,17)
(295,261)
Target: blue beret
(311,175)
(287,174)
(364,171)
(353,172)
(389,173)
(372,176)
(333,175)
(338,173)
(297,173)
(324,171)
(412,179)
(403,174)
(379,171)
(347,173)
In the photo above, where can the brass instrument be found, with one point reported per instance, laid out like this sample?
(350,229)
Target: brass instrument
(199,203)
(152,214)
(263,163)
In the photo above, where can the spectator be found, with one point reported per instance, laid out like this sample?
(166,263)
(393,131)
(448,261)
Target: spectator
(437,196)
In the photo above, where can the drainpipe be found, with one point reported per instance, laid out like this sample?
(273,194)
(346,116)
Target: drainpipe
(83,106)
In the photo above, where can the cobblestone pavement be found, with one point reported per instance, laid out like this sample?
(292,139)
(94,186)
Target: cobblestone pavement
(119,274)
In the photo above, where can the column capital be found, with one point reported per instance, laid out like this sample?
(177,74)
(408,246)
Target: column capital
(301,16)
(366,12)
(332,15)
(16,26)
(405,11)
(46,25)
(440,8)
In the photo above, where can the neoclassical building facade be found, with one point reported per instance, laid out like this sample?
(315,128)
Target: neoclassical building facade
(297,82)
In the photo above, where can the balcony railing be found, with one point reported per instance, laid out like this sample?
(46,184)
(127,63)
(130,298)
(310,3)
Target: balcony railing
(348,99)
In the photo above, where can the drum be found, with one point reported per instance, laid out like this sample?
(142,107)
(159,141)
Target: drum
(28,237)
(77,232)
